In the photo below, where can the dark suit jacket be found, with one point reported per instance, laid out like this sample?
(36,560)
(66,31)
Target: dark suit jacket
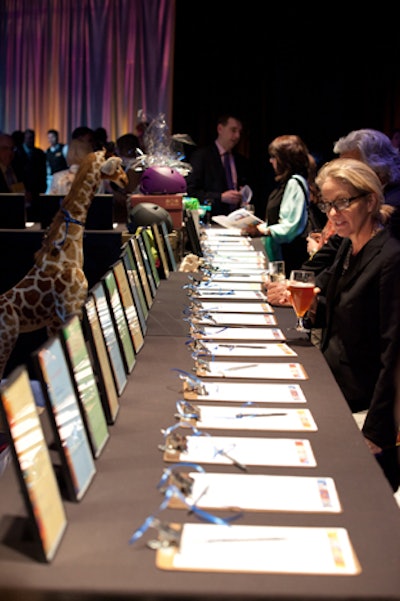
(207,179)
(361,341)
(3,184)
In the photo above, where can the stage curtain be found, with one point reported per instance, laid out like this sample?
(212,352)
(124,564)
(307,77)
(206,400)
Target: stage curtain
(66,63)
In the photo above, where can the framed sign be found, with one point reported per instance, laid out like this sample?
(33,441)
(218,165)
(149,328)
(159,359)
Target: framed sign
(110,336)
(128,304)
(147,263)
(163,266)
(36,474)
(101,360)
(138,258)
(152,253)
(120,321)
(86,385)
(65,416)
(136,286)
(168,246)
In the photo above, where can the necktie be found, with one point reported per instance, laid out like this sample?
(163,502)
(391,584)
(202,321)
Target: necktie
(228,171)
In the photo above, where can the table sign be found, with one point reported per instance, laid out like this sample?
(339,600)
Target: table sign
(35,471)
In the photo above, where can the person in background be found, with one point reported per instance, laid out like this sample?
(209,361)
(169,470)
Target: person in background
(55,156)
(101,140)
(33,163)
(82,143)
(395,138)
(209,178)
(126,148)
(285,229)
(358,305)
(8,175)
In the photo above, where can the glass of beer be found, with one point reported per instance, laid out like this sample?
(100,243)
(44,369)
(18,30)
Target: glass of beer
(301,287)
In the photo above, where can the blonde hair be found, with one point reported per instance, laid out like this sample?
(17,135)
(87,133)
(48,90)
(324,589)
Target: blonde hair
(362,178)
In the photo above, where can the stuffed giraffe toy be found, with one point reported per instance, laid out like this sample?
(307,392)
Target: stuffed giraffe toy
(56,286)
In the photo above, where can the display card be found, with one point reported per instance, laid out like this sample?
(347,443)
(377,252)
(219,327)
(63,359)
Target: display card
(120,322)
(86,384)
(32,458)
(101,360)
(129,304)
(66,418)
(110,336)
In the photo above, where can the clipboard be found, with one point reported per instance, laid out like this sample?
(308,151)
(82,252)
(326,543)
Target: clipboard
(210,417)
(262,371)
(256,492)
(243,451)
(244,392)
(260,550)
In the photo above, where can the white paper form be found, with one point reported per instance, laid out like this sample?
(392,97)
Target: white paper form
(247,295)
(235,319)
(226,242)
(255,278)
(237,268)
(240,333)
(229,285)
(264,371)
(242,451)
(216,233)
(254,418)
(259,492)
(262,549)
(247,392)
(236,252)
(235,307)
(251,261)
(242,257)
(250,349)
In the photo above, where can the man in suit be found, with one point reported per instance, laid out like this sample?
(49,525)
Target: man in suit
(209,180)
(33,161)
(8,176)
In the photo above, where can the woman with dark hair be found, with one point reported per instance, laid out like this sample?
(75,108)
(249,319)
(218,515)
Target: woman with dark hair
(284,232)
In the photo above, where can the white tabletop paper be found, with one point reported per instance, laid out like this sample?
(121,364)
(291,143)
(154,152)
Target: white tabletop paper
(262,549)
(251,392)
(243,369)
(255,418)
(246,451)
(259,492)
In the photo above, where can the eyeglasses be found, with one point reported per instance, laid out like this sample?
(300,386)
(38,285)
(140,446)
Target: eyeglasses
(339,205)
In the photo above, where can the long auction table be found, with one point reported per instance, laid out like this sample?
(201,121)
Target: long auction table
(96,561)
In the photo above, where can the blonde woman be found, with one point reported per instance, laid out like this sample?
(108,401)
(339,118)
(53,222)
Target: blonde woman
(358,305)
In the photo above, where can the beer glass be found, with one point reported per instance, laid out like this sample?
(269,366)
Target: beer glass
(301,286)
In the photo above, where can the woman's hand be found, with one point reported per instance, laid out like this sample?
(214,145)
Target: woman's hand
(278,294)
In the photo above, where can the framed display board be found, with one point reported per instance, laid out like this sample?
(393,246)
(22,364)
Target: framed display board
(137,256)
(163,266)
(152,253)
(136,286)
(65,416)
(35,471)
(168,247)
(192,235)
(110,336)
(84,378)
(120,321)
(101,360)
(147,263)
(128,304)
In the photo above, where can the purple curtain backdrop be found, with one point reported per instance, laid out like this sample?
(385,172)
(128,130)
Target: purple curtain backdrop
(66,63)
